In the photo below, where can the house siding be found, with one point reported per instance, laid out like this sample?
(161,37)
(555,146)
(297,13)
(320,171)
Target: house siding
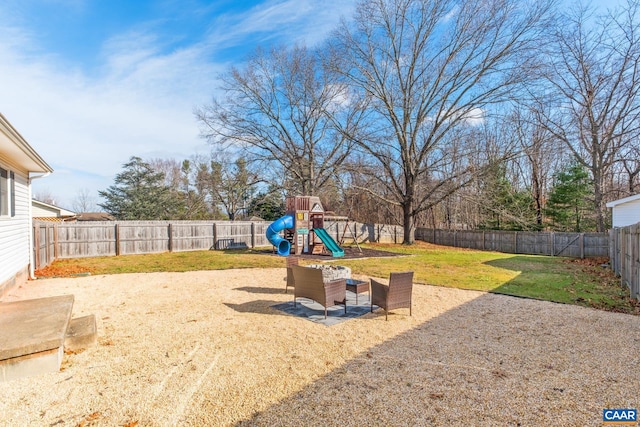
(14,237)
(626,214)
(39,212)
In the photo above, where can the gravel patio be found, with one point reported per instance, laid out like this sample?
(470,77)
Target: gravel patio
(208,348)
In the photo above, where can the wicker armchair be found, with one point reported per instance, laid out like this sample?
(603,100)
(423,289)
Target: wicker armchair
(397,294)
(291,261)
(309,284)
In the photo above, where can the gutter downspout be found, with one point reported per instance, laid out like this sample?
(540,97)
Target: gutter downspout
(32,275)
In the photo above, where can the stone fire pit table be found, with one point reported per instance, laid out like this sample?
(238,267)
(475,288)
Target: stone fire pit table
(334,272)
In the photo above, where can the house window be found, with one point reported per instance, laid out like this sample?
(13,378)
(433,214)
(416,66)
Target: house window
(7,193)
(12,190)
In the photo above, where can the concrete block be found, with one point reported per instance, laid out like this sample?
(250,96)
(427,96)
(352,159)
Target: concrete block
(29,365)
(33,326)
(32,334)
(81,334)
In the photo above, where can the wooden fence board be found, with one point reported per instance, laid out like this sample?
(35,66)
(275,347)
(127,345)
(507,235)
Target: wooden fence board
(108,238)
(44,243)
(350,232)
(86,240)
(625,257)
(191,236)
(576,245)
(112,238)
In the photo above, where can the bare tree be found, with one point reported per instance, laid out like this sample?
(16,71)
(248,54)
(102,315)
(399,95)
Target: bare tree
(276,108)
(171,169)
(428,69)
(631,165)
(542,155)
(84,201)
(45,196)
(594,78)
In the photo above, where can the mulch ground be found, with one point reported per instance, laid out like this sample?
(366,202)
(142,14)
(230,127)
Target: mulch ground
(350,252)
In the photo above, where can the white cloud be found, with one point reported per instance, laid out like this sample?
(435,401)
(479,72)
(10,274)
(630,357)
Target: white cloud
(139,102)
(475,117)
(291,21)
(141,106)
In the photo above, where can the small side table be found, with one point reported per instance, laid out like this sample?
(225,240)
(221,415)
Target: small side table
(358,287)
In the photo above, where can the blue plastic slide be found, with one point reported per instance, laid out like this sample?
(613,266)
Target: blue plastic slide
(329,243)
(273,234)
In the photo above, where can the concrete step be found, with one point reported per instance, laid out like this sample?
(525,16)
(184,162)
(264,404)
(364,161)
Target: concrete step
(82,333)
(32,335)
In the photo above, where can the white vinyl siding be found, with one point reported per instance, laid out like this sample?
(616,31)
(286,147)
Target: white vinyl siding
(626,214)
(14,231)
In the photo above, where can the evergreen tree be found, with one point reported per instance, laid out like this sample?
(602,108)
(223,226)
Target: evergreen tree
(268,206)
(504,206)
(139,193)
(568,205)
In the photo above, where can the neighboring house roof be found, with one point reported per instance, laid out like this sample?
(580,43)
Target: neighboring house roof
(95,216)
(46,210)
(623,201)
(17,150)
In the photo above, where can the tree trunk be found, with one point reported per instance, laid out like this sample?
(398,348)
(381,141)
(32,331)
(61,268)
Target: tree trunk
(598,198)
(407,216)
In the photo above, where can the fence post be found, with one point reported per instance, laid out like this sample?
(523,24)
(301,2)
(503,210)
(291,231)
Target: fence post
(215,235)
(56,249)
(47,249)
(36,246)
(117,239)
(635,270)
(612,246)
(553,243)
(170,232)
(515,242)
(253,234)
(581,240)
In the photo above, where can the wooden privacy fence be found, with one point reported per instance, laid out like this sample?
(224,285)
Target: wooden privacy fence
(625,256)
(575,245)
(349,232)
(44,243)
(108,238)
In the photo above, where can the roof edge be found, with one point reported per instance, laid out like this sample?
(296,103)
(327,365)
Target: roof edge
(15,136)
(625,200)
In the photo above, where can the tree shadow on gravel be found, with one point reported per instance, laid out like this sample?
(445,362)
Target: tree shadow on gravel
(494,360)
(261,290)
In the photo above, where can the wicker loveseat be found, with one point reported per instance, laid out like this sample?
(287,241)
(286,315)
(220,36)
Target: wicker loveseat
(309,284)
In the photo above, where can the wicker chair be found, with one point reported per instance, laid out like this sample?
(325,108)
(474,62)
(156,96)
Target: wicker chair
(309,284)
(397,294)
(291,261)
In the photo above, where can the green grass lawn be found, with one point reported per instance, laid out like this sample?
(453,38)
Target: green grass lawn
(547,278)
(166,261)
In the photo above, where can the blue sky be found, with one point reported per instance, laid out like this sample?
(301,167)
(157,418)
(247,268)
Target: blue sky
(90,83)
